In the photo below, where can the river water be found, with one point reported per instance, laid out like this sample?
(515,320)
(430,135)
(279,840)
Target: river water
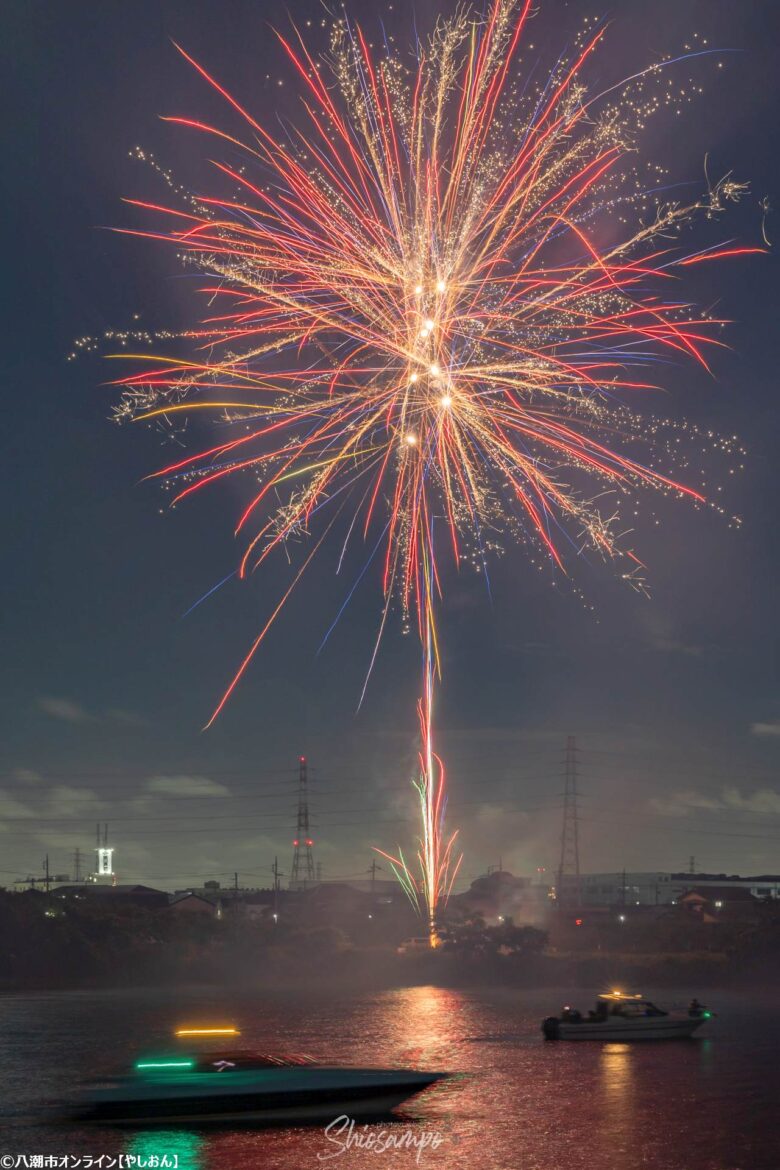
(709,1103)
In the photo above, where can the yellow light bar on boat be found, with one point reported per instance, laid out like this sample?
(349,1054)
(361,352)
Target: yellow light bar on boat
(207,1032)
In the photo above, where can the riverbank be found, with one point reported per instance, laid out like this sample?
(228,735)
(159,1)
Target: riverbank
(49,945)
(377,969)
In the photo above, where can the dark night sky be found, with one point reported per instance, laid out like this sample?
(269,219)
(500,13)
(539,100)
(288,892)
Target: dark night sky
(675,701)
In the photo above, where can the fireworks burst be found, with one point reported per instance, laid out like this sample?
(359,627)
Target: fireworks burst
(428,311)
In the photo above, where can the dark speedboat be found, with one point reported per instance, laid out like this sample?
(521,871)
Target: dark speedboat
(235,1087)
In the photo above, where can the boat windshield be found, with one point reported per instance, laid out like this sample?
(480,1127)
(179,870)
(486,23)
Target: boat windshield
(621,1003)
(635,1007)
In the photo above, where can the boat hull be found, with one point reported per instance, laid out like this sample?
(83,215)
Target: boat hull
(319,1098)
(616,1029)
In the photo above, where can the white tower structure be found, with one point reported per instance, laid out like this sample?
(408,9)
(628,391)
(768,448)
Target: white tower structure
(104,865)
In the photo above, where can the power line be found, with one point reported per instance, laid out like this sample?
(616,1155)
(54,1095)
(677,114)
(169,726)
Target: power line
(72,822)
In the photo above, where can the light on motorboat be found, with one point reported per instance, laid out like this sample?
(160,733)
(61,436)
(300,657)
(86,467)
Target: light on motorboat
(141,1065)
(207,1032)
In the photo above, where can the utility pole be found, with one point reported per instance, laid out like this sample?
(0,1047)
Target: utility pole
(77,865)
(692,865)
(275,871)
(569,864)
(372,870)
(47,879)
(235,887)
(303,858)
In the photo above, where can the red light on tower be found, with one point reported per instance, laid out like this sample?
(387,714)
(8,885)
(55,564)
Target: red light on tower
(578,922)
(309,841)
(295,842)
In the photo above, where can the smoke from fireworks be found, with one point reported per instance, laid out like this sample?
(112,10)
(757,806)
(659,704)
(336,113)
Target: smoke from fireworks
(427,312)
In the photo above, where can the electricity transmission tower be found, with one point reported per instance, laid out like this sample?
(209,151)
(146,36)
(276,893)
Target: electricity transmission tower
(303,858)
(568,887)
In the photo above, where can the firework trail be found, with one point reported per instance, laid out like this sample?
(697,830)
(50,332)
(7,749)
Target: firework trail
(437,865)
(426,317)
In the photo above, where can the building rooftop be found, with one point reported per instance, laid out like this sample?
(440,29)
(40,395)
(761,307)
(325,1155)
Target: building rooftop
(93,889)
(691,878)
(720,894)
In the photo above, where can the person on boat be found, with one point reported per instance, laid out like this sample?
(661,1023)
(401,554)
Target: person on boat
(571,1015)
(600,1012)
(695,1008)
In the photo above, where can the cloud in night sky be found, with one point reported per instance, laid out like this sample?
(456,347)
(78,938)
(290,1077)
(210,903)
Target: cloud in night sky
(763,800)
(27,776)
(64,800)
(681,804)
(69,711)
(12,808)
(672,646)
(185,786)
(128,718)
(64,709)
(768,729)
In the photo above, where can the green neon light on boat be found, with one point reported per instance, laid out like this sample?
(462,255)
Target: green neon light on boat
(165,1064)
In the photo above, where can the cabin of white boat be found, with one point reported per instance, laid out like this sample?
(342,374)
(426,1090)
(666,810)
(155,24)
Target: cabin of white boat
(622,1003)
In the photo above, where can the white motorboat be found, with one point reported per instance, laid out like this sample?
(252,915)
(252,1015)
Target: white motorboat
(619,1016)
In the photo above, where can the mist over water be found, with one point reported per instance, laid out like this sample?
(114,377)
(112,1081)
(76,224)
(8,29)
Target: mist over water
(518,1104)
